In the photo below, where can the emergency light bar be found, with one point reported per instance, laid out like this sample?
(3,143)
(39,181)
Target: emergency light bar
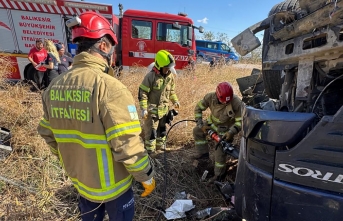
(73,22)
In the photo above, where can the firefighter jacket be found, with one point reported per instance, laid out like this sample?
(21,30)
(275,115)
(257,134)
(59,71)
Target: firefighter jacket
(155,92)
(223,117)
(90,122)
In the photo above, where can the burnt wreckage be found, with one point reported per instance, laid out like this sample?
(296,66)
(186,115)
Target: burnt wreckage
(290,163)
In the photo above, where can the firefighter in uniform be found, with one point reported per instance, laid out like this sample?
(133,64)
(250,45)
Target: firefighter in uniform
(91,124)
(155,92)
(225,119)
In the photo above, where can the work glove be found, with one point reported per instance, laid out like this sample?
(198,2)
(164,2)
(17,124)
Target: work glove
(177,105)
(228,136)
(149,186)
(144,114)
(205,128)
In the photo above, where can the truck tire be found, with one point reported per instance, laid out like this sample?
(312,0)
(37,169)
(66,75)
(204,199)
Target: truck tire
(200,59)
(272,78)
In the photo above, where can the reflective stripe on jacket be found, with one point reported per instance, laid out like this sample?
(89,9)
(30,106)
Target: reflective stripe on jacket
(155,92)
(223,117)
(90,121)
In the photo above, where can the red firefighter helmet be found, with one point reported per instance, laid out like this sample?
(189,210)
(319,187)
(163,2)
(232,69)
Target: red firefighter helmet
(224,92)
(92,25)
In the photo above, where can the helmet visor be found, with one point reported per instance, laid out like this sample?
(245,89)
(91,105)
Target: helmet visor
(171,62)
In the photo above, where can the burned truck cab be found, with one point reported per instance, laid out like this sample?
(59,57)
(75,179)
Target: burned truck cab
(290,163)
(288,169)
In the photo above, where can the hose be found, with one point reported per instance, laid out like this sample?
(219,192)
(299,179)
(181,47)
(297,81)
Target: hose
(321,93)
(165,169)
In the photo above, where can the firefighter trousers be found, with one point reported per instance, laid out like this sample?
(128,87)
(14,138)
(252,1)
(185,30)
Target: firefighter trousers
(201,145)
(120,209)
(154,133)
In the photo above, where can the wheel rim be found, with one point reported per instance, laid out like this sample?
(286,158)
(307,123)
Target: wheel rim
(200,60)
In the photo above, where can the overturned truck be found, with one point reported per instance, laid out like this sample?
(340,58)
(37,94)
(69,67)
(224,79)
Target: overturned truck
(291,157)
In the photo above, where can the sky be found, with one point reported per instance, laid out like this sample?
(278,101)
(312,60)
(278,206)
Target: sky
(225,16)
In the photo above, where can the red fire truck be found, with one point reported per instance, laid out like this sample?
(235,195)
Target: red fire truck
(140,33)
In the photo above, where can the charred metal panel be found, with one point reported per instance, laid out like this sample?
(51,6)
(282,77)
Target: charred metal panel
(317,19)
(276,54)
(245,42)
(253,82)
(304,77)
(316,161)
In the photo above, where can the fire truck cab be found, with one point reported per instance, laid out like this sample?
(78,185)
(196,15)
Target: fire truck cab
(142,34)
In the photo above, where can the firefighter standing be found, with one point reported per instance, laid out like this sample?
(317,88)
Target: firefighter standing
(225,119)
(90,122)
(155,92)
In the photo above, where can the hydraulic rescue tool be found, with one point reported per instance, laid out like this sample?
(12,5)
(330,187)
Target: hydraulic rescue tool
(228,148)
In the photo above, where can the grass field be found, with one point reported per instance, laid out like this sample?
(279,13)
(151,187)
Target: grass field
(34,187)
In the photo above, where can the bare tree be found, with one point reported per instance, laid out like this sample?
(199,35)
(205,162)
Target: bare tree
(223,37)
(208,35)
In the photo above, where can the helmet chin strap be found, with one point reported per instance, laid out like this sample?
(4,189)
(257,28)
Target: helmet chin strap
(161,72)
(105,55)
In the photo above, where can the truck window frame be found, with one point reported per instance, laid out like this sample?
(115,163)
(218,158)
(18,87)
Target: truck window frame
(225,47)
(213,47)
(141,24)
(163,33)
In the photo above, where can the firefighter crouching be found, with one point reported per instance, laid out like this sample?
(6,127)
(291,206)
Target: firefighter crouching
(155,92)
(90,122)
(225,119)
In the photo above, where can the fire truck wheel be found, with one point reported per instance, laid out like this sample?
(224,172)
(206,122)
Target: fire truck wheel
(200,59)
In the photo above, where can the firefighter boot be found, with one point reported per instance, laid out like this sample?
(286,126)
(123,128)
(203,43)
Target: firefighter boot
(212,179)
(219,172)
(201,156)
(160,144)
(150,146)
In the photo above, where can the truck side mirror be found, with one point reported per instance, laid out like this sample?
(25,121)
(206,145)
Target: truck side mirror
(176,26)
(190,33)
(201,29)
(189,43)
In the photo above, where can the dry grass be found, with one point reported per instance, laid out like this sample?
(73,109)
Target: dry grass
(32,184)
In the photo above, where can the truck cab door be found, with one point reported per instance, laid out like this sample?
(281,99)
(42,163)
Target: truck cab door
(229,53)
(137,41)
(175,40)
(212,49)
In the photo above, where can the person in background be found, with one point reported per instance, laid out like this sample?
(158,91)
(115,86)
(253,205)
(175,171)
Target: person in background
(222,60)
(213,63)
(51,62)
(36,56)
(66,61)
(91,124)
(65,50)
(191,63)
